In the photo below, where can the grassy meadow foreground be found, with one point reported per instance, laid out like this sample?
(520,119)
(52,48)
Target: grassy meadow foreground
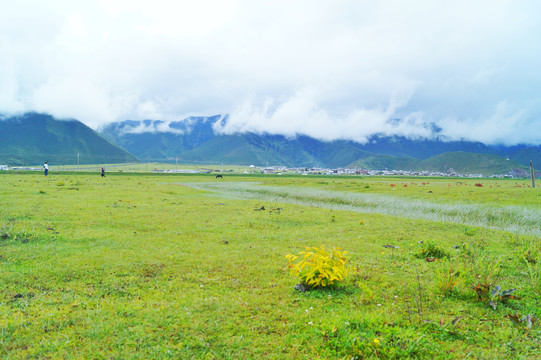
(188,266)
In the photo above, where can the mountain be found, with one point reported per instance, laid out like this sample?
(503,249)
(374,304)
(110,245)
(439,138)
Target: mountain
(249,148)
(426,148)
(33,138)
(524,156)
(469,163)
(158,140)
(457,161)
(387,162)
(195,140)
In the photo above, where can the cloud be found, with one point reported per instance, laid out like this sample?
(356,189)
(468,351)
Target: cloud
(151,127)
(341,69)
(301,115)
(508,124)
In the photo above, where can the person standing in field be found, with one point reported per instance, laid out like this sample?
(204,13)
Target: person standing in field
(46,167)
(102,172)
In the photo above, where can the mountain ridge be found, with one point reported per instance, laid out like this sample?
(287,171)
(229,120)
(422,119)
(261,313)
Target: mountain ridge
(261,149)
(32,138)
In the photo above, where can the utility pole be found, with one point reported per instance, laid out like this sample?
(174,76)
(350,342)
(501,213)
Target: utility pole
(532,173)
(77,161)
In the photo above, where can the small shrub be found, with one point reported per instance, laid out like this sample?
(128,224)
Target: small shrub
(497,295)
(522,322)
(60,183)
(530,256)
(319,267)
(534,273)
(482,291)
(429,249)
(366,294)
(468,231)
(484,271)
(449,277)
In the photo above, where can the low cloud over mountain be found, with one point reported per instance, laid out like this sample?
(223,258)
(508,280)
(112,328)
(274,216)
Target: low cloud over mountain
(342,70)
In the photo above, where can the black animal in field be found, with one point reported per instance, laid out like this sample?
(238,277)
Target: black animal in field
(219,176)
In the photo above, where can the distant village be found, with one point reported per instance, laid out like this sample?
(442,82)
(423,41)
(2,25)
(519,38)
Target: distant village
(346,171)
(279,170)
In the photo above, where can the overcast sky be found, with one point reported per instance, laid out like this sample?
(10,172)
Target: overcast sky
(329,69)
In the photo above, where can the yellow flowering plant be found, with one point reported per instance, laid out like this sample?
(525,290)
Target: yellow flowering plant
(319,267)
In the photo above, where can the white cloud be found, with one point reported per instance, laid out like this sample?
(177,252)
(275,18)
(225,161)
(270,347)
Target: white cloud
(337,69)
(300,115)
(153,127)
(507,124)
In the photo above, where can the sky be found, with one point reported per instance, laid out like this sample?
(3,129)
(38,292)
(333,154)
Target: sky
(328,69)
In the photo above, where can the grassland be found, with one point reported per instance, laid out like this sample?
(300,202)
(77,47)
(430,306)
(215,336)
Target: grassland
(186,266)
(149,167)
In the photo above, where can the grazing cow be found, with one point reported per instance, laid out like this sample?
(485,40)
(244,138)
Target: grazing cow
(219,176)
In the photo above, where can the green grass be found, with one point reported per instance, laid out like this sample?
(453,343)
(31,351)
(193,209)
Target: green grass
(505,217)
(148,167)
(138,266)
